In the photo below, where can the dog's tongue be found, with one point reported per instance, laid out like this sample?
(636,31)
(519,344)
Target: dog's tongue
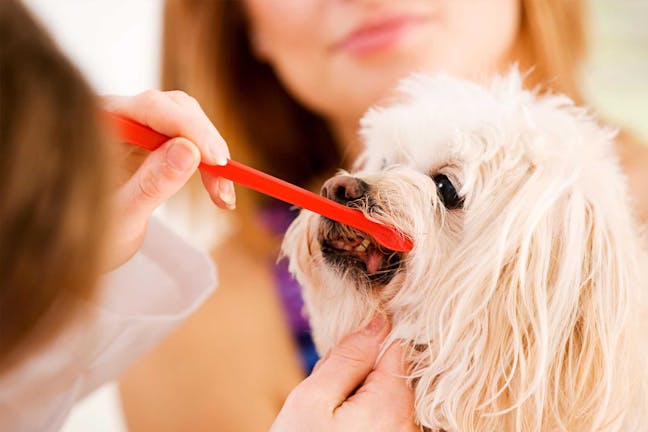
(374,262)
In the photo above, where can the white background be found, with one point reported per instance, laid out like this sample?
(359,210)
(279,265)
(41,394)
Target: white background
(116,43)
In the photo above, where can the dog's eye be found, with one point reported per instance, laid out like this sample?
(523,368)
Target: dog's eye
(447,192)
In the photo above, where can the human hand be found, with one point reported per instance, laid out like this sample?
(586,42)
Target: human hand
(152,178)
(330,400)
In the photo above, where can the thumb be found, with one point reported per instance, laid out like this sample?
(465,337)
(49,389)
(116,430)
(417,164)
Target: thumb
(162,174)
(391,371)
(389,377)
(347,365)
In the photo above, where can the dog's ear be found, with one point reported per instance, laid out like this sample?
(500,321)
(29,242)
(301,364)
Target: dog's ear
(536,326)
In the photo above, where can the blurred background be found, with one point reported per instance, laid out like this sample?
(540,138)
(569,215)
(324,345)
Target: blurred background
(116,44)
(616,79)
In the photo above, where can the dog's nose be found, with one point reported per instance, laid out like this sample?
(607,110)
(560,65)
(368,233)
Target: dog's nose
(344,188)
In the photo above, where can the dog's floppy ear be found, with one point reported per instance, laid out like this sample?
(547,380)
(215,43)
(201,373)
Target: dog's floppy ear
(536,327)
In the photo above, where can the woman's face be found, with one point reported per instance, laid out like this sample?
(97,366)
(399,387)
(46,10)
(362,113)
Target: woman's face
(340,56)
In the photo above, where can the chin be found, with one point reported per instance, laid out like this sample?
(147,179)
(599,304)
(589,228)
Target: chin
(521,305)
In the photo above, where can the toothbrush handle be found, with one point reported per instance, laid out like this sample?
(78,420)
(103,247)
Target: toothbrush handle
(147,138)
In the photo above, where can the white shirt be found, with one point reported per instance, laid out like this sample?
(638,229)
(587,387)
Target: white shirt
(136,306)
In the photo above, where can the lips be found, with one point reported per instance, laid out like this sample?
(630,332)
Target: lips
(356,254)
(376,35)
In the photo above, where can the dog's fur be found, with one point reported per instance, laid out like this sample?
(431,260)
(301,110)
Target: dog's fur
(523,310)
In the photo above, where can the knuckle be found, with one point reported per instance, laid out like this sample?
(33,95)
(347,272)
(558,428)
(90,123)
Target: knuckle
(192,101)
(183,98)
(349,354)
(150,96)
(176,93)
(151,102)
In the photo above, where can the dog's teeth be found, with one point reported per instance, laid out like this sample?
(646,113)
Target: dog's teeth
(366,242)
(361,248)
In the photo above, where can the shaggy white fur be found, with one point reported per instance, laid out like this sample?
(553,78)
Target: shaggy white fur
(523,310)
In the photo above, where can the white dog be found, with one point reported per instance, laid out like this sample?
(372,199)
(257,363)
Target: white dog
(521,302)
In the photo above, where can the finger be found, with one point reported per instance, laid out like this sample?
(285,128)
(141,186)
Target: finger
(161,175)
(393,361)
(170,116)
(386,391)
(349,363)
(390,372)
(220,190)
(182,99)
(321,361)
(389,377)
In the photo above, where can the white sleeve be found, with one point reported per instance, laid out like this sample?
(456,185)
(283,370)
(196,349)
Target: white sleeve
(136,306)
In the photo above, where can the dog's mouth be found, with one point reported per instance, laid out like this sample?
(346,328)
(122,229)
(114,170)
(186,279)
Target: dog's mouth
(357,254)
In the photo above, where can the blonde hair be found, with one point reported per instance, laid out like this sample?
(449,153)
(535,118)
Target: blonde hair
(52,184)
(552,43)
(207,53)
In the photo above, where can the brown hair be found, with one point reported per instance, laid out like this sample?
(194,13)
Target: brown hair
(52,186)
(206,52)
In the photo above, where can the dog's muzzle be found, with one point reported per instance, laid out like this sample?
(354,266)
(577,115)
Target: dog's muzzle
(348,250)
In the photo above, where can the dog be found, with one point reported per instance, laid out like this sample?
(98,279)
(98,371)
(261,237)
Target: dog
(521,305)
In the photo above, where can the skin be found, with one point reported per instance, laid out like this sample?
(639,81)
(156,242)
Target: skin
(346,390)
(150,179)
(244,322)
(304,41)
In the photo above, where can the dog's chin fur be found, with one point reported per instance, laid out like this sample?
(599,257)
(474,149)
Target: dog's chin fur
(521,311)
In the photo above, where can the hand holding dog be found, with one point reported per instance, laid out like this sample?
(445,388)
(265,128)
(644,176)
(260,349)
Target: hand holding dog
(326,400)
(149,179)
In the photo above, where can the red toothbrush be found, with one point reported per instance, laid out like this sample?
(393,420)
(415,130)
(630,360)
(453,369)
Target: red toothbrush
(145,137)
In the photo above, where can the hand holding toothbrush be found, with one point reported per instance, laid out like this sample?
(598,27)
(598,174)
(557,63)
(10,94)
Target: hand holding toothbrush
(150,179)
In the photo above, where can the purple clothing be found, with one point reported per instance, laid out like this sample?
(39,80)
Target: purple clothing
(277,216)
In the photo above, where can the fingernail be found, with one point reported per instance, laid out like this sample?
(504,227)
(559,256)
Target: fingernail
(180,156)
(220,159)
(218,150)
(376,324)
(226,188)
